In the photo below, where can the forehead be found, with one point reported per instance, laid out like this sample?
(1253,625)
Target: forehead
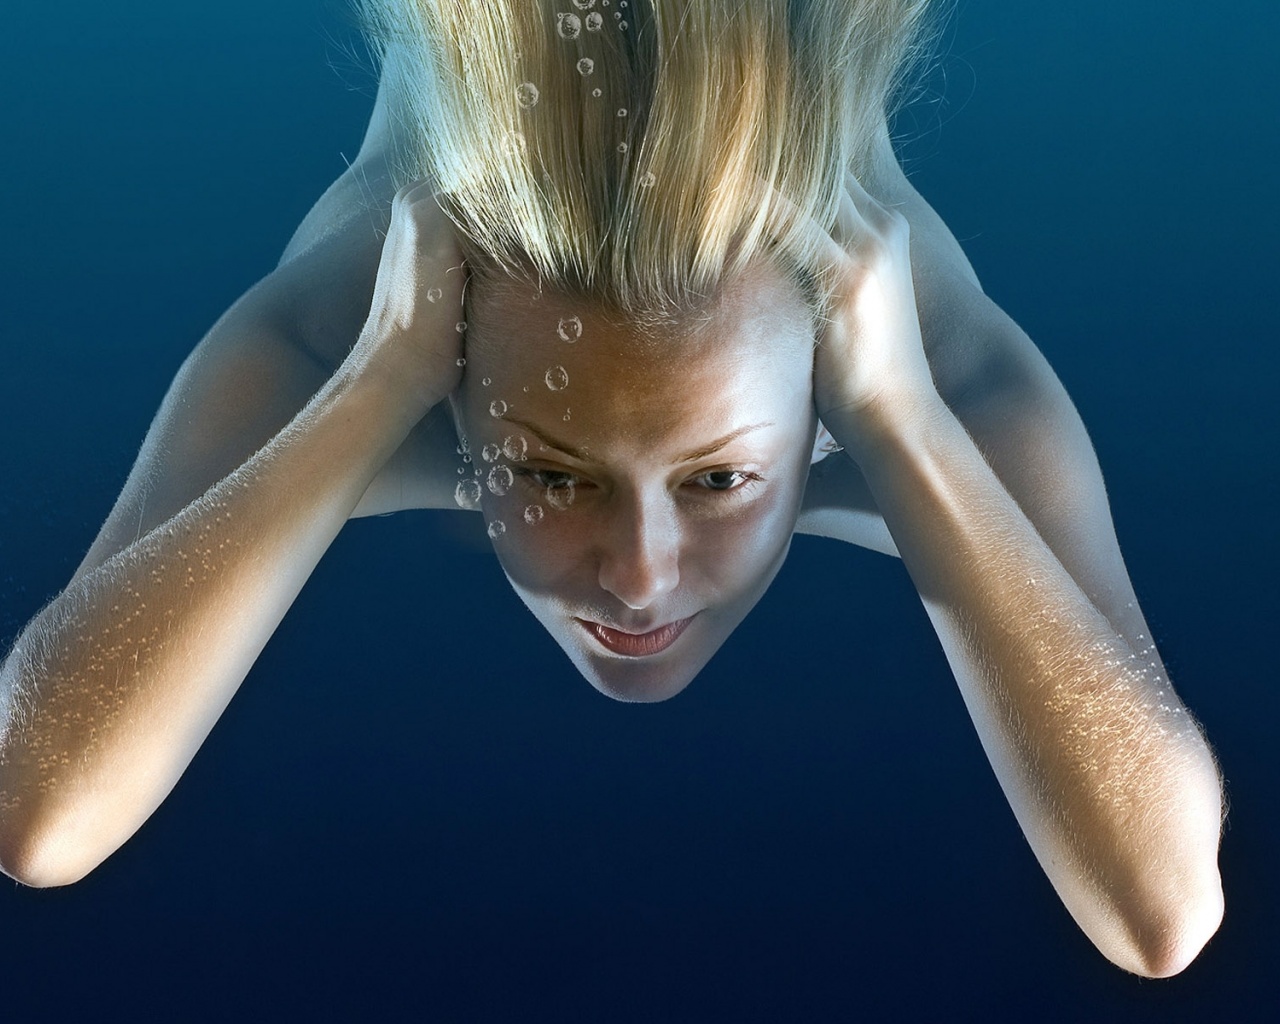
(755,335)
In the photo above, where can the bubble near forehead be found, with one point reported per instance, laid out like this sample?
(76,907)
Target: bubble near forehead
(570,329)
(557,378)
(515,447)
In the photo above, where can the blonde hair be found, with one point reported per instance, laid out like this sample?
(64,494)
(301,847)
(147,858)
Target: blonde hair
(627,150)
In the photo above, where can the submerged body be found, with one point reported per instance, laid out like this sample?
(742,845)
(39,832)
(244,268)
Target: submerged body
(689,475)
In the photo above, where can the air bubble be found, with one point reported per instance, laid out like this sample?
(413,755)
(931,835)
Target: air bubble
(486,381)
(497,408)
(515,447)
(500,480)
(433,294)
(496,529)
(466,459)
(557,378)
(569,329)
(648,180)
(568,25)
(513,144)
(533,514)
(584,5)
(467,494)
(460,361)
(490,453)
(527,95)
(595,22)
(596,93)
(567,413)
(622,111)
(585,66)
(561,496)
(617,15)
(460,326)
(622,26)
(622,147)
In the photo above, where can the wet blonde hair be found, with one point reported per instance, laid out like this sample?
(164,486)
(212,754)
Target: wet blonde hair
(629,153)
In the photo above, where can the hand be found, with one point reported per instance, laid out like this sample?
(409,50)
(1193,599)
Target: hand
(869,365)
(412,335)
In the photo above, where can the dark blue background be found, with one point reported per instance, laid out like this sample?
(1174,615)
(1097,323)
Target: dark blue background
(414,806)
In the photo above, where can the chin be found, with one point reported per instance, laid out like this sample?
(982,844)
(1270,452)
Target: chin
(638,680)
(633,691)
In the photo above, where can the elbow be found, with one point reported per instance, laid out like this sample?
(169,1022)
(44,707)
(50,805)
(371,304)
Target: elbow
(1169,946)
(34,858)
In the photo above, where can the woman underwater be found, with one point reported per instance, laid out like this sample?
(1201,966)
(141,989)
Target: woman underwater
(649,267)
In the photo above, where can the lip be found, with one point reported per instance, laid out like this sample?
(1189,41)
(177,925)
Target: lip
(635,645)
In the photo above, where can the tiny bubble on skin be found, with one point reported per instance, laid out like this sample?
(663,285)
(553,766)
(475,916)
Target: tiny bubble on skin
(515,447)
(500,480)
(496,529)
(433,294)
(595,22)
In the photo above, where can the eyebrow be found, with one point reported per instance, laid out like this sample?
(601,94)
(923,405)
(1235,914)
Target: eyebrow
(582,455)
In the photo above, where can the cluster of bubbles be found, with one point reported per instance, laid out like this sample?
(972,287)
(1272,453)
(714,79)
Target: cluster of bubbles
(500,478)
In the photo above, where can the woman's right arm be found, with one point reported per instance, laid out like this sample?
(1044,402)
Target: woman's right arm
(110,690)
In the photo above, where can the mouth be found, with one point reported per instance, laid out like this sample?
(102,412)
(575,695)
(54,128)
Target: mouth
(636,645)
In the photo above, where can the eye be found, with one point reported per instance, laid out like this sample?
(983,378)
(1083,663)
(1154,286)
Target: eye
(724,480)
(552,478)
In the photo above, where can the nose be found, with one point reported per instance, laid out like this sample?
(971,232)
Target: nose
(640,555)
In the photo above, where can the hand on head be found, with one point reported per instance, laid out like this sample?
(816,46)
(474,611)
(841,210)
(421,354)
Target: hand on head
(415,329)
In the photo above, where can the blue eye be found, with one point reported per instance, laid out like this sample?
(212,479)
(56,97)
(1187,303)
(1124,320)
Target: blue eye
(726,480)
(722,479)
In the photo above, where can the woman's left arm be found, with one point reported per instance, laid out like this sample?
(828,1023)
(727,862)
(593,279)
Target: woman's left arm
(995,503)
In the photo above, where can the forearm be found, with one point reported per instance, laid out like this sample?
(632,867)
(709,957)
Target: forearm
(111,689)
(1110,779)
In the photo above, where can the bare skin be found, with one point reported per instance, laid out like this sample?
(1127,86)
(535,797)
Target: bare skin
(965,457)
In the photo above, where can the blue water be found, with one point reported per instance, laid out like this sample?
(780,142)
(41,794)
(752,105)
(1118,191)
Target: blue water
(414,807)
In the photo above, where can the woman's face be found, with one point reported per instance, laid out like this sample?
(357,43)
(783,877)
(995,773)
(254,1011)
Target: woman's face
(641,487)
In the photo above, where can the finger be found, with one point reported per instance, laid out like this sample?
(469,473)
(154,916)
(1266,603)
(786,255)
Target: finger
(784,213)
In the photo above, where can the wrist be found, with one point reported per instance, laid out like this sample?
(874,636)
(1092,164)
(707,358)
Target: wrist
(884,421)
